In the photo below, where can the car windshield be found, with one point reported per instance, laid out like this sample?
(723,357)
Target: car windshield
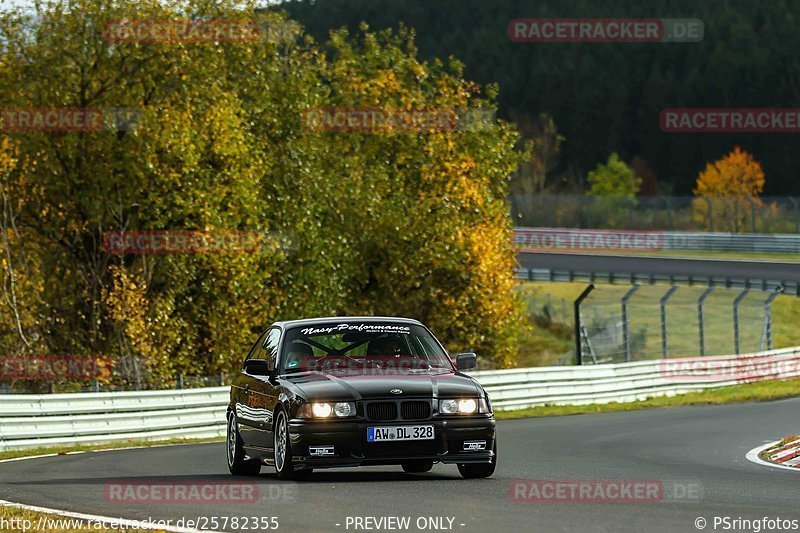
(362,349)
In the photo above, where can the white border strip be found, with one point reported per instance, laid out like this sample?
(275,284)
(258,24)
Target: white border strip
(138,524)
(753,457)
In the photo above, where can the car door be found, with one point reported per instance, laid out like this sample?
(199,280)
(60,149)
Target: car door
(269,390)
(259,393)
(249,404)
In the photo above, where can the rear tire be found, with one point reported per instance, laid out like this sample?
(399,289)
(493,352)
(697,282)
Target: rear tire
(237,464)
(416,467)
(284,468)
(479,470)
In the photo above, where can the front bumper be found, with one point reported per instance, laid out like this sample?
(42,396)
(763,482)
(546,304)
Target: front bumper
(350,446)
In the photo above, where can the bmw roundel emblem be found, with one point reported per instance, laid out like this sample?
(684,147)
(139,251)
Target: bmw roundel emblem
(396,391)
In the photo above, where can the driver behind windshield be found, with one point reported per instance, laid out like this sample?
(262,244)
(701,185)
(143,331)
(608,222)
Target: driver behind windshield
(298,353)
(385,346)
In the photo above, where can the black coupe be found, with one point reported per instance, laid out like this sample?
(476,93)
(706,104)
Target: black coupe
(350,391)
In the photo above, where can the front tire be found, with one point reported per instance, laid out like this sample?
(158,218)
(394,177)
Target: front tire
(284,468)
(237,464)
(479,470)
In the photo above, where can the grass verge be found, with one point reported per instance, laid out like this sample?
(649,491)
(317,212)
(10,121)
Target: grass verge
(61,450)
(749,392)
(16,519)
(543,344)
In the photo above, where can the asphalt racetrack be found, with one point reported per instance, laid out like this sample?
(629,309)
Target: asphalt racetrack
(701,447)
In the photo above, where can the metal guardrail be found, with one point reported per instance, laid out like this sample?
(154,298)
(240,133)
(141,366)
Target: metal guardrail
(627,382)
(41,420)
(654,241)
(94,418)
(548,274)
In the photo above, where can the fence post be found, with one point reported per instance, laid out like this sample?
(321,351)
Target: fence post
(589,214)
(752,215)
(766,331)
(736,302)
(663,305)
(796,212)
(710,214)
(700,302)
(626,337)
(630,213)
(180,380)
(577,310)
(669,213)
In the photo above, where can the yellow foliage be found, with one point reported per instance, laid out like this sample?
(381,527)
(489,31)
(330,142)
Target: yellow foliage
(728,191)
(736,174)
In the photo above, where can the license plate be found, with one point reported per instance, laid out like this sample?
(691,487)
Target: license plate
(394,433)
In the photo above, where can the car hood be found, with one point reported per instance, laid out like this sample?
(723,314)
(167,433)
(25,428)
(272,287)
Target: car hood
(324,386)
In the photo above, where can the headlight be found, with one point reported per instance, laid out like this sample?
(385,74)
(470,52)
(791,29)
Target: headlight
(344,409)
(465,406)
(327,410)
(321,410)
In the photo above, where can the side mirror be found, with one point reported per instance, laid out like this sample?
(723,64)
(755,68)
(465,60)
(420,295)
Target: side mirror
(465,361)
(257,367)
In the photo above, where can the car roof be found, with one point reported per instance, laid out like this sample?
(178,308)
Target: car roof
(344,319)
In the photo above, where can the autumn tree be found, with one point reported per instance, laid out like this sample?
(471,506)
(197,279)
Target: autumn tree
(613,187)
(398,223)
(728,192)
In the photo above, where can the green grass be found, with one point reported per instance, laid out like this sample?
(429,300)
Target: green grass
(15,519)
(11,454)
(543,344)
(750,392)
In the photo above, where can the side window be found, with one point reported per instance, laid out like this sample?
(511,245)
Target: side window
(257,351)
(271,346)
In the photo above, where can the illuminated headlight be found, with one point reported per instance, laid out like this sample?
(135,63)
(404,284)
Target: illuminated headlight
(328,410)
(321,410)
(465,406)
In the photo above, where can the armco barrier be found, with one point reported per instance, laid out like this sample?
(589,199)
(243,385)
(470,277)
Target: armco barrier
(627,382)
(40,420)
(92,418)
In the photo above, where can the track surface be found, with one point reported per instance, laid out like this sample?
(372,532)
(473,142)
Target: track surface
(632,264)
(705,444)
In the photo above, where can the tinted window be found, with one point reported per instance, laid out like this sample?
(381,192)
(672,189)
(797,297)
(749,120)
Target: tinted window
(362,348)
